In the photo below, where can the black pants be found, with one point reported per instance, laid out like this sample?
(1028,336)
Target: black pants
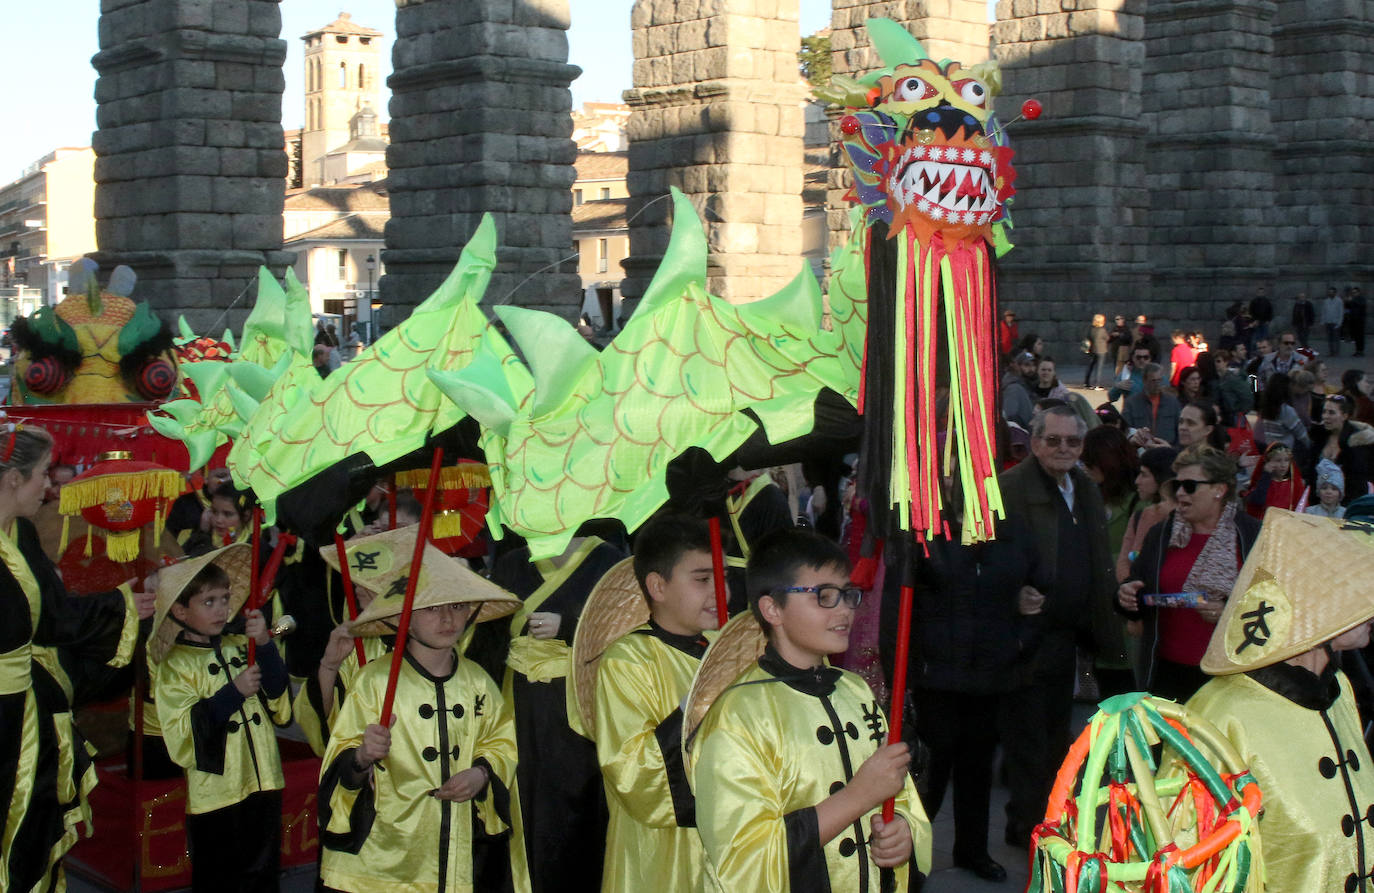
(961,732)
(237,849)
(1035,738)
(1095,365)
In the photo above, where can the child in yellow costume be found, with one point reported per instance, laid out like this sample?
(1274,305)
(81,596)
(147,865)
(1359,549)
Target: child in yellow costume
(788,762)
(653,610)
(218,718)
(1305,594)
(395,803)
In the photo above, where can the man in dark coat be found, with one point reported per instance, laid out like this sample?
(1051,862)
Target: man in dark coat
(1051,496)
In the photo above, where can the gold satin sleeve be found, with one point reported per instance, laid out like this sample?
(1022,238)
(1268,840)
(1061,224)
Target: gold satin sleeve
(632,698)
(128,632)
(740,809)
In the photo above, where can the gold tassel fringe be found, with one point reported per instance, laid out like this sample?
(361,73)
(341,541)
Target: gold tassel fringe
(452,477)
(133,486)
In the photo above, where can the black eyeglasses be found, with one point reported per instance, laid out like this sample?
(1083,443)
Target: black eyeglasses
(1288,343)
(1054,440)
(829,596)
(1189,486)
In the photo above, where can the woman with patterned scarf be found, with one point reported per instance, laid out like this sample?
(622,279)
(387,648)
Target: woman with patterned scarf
(1193,557)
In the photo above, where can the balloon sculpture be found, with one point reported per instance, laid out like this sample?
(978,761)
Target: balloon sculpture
(1179,825)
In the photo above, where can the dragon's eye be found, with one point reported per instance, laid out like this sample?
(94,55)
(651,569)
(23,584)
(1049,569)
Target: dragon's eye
(972,92)
(912,89)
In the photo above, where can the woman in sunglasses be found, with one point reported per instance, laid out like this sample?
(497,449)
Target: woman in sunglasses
(1198,551)
(1344,441)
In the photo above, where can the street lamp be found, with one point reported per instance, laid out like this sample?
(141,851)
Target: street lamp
(371,263)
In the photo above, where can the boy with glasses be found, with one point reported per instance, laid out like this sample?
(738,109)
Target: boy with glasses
(789,764)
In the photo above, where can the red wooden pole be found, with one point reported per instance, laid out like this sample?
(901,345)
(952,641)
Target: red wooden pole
(391,503)
(718,571)
(894,722)
(349,597)
(258,593)
(253,578)
(403,628)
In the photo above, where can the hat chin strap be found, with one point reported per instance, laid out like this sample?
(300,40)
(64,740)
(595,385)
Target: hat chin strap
(190,629)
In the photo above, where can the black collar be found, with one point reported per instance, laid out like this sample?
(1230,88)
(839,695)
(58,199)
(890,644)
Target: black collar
(1299,684)
(419,667)
(815,681)
(693,645)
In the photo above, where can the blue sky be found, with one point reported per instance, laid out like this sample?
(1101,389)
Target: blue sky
(51,100)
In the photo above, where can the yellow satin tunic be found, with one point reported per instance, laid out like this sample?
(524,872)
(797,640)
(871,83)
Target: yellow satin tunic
(641,681)
(764,756)
(191,673)
(316,727)
(1316,775)
(390,834)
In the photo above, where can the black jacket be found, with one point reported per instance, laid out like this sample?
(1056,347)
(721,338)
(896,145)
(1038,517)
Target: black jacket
(966,632)
(1028,494)
(1147,566)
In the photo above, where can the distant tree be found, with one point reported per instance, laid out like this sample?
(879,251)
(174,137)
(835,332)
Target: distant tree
(814,59)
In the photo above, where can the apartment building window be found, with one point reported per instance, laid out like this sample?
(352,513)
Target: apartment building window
(343,265)
(605,192)
(601,252)
(577,196)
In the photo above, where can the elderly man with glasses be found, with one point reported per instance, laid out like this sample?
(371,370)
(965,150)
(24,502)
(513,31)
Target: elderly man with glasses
(1050,495)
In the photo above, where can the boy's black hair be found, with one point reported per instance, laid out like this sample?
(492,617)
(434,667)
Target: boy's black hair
(776,561)
(212,576)
(661,543)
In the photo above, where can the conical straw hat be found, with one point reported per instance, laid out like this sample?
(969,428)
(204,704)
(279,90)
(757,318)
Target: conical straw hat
(616,606)
(381,562)
(1307,579)
(738,646)
(235,559)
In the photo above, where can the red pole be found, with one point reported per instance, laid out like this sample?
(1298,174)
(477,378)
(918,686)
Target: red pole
(894,722)
(253,578)
(349,597)
(391,503)
(718,571)
(258,594)
(403,629)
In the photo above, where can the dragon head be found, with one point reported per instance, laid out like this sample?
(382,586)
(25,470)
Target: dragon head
(922,141)
(95,346)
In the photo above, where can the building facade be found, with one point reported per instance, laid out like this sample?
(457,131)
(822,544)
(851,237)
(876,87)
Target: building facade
(337,235)
(47,222)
